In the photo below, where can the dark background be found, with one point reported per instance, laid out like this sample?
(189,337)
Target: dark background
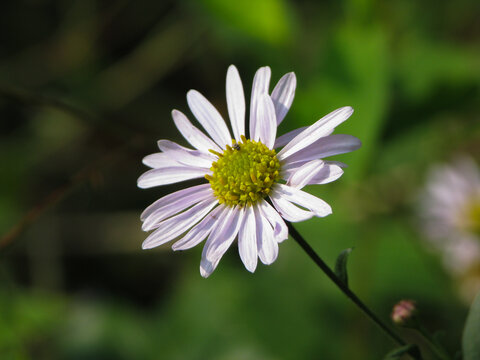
(86,90)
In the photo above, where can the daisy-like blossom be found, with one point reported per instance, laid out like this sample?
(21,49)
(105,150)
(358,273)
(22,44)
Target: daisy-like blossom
(253,183)
(450,210)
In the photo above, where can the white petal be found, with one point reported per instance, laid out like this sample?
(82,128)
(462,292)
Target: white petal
(207,267)
(235,102)
(261,83)
(169,175)
(286,138)
(289,211)
(315,131)
(319,207)
(327,146)
(224,234)
(198,233)
(220,239)
(163,212)
(333,170)
(266,244)
(305,173)
(328,173)
(280,229)
(192,134)
(172,198)
(185,156)
(266,123)
(177,225)
(247,240)
(283,94)
(159,160)
(209,117)
(338,163)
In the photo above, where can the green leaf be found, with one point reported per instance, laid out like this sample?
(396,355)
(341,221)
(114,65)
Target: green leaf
(347,78)
(341,265)
(399,352)
(267,20)
(471,333)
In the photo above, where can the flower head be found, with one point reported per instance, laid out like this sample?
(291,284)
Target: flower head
(252,185)
(403,312)
(450,210)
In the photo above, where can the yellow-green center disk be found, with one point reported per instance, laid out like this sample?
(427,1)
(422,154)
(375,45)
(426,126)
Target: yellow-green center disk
(244,173)
(473,215)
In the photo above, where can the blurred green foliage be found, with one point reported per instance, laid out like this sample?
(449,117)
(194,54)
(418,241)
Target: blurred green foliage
(86,88)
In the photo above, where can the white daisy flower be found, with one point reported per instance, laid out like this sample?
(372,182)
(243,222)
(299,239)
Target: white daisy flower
(450,210)
(252,185)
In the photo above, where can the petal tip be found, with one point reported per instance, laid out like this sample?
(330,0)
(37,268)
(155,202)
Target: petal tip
(147,226)
(359,144)
(191,93)
(146,245)
(205,272)
(251,267)
(232,68)
(141,184)
(292,76)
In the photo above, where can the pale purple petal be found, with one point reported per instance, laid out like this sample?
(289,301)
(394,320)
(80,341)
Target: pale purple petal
(279,226)
(267,246)
(159,160)
(247,242)
(319,207)
(328,173)
(338,163)
(305,173)
(192,134)
(170,175)
(283,94)
(169,208)
(220,239)
(326,146)
(309,173)
(209,117)
(170,199)
(178,224)
(261,83)
(288,169)
(315,131)
(222,236)
(235,102)
(198,233)
(289,211)
(185,156)
(207,267)
(267,125)
(286,138)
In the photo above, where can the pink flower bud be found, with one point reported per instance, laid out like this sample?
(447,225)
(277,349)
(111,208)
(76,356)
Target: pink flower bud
(403,312)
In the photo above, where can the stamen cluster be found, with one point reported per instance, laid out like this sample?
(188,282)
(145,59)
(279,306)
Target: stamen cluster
(244,173)
(473,216)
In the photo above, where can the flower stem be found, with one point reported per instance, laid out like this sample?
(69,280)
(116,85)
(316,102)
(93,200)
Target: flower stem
(437,350)
(344,288)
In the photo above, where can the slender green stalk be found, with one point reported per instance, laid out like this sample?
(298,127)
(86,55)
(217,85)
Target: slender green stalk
(345,289)
(439,351)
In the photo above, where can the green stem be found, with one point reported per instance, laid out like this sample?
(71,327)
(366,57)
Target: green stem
(439,351)
(345,289)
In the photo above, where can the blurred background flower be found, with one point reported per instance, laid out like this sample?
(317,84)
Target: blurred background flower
(86,89)
(451,220)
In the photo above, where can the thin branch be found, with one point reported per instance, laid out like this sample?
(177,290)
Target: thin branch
(345,289)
